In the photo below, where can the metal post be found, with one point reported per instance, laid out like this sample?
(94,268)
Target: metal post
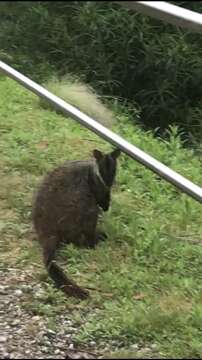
(160,169)
(166,12)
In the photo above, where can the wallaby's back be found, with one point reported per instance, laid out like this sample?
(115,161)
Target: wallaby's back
(64,204)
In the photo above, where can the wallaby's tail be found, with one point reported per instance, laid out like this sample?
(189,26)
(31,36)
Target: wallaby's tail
(58,276)
(65,284)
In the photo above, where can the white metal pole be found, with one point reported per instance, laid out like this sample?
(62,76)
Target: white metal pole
(156,166)
(166,12)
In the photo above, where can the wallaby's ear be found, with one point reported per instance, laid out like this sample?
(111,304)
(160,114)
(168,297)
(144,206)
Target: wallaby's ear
(115,153)
(97,154)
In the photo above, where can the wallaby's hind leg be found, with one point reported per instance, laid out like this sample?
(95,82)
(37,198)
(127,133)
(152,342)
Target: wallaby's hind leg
(61,281)
(49,248)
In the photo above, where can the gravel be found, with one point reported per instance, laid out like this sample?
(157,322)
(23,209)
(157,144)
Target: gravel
(24,335)
(27,336)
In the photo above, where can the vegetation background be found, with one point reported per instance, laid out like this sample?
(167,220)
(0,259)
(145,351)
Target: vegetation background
(121,53)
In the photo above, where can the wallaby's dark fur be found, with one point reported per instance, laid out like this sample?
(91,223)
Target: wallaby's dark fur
(66,209)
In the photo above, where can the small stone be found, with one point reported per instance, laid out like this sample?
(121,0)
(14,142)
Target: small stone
(57,352)
(26,288)
(134,346)
(71,346)
(44,349)
(18,292)
(7,301)
(41,324)
(39,294)
(71,329)
(153,346)
(3,339)
(18,312)
(92,343)
(15,322)
(47,343)
(69,322)
(6,355)
(3,289)
(33,342)
(62,332)
(50,332)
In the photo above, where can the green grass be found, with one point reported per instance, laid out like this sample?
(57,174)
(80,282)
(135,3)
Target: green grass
(147,277)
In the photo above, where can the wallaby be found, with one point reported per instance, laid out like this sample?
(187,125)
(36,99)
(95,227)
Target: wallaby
(66,208)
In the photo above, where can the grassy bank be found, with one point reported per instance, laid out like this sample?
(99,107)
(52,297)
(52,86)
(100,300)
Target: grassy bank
(147,276)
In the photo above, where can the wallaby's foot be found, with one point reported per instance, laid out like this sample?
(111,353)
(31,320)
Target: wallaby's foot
(101,236)
(75,291)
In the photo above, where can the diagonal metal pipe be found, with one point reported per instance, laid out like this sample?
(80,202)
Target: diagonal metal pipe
(168,13)
(156,166)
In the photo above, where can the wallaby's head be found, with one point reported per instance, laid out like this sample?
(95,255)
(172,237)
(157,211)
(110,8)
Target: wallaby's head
(107,165)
